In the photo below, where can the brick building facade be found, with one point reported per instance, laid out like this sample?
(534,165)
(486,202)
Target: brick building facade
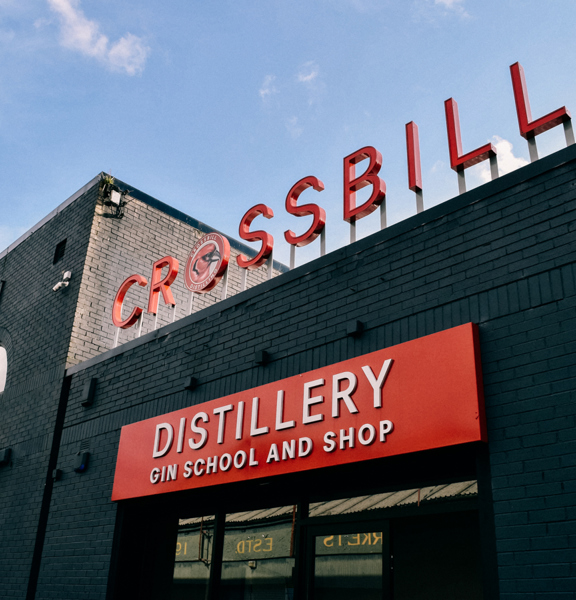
(501,256)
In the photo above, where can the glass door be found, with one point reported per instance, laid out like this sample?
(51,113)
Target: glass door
(349,562)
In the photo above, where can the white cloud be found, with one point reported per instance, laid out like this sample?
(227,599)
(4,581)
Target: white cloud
(309,76)
(268,88)
(78,33)
(431,10)
(507,162)
(437,166)
(454,6)
(293,127)
(308,72)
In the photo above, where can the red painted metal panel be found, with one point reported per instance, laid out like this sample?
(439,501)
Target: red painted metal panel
(415,396)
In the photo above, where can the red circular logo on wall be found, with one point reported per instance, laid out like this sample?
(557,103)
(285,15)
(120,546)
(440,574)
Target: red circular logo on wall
(207,263)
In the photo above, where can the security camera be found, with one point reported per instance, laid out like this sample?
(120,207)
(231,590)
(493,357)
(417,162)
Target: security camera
(65,281)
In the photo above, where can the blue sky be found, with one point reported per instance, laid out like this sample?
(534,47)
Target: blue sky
(213,107)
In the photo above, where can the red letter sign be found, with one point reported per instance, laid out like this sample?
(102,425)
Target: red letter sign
(318,213)
(413,151)
(119,300)
(163,285)
(352,183)
(528,127)
(267,240)
(459,161)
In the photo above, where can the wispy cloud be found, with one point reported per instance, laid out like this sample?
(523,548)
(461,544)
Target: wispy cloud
(308,72)
(453,6)
(293,127)
(432,10)
(268,89)
(83,35)
(309,76)
(507,162)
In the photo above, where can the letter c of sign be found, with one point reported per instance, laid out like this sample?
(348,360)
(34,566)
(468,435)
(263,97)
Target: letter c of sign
(119,301)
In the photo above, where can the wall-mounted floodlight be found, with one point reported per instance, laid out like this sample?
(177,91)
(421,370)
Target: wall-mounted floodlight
(88,392)
(65,281)
(81,464)
(5,455)
(190,383)
(115,197)
(354,328)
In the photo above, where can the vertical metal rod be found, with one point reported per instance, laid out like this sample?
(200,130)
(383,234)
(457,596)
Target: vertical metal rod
(270,264)
(243,276)
(383,214)
(352,230)
(156,319)
(292,256)
(116,337)
(323,242)
(569,132)
(419,200)
(494,167)
(173,313)
(532,149)
(140,322)
(461,182)
(224,286)
(191,303)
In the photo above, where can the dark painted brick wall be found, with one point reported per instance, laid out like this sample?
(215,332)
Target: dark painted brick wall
(39,323)
(502,256)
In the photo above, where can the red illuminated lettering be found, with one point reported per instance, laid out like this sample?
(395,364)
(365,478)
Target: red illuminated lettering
(253,236)
(319,214)
(459,161)
(528,127)
(159,285)
(119,301)
(413,152)
(370,177)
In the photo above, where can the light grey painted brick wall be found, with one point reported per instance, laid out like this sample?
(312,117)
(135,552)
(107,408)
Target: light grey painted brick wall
(122,247)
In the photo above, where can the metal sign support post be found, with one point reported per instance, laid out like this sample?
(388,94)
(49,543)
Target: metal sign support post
(270,264)
(224,286)
(569,132)
(419,200)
